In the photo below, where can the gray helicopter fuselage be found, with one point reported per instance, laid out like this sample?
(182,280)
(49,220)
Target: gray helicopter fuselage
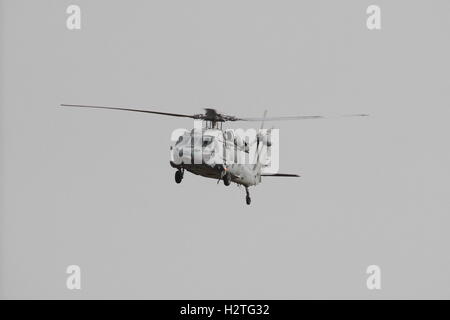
(213,152)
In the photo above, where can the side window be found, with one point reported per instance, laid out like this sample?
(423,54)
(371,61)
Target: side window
(229,135)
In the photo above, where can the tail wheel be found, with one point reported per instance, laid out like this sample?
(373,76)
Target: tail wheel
(178,176)
(247,196)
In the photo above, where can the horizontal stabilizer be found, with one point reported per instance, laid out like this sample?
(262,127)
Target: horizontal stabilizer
(280,175)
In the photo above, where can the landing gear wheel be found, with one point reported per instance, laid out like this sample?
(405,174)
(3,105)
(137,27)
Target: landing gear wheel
(247,198)
(178,176)
(227,179)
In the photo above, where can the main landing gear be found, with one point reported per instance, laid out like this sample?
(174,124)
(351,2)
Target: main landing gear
(225,176)
(179,175)
(248,200)
(227,179)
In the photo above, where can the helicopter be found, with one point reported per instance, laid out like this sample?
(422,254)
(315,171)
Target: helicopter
(213,152)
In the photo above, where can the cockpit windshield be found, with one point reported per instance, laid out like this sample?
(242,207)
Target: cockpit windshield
(180,138)
(207,141)
(197,140)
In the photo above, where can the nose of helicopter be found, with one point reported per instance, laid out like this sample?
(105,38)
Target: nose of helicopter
(183,154)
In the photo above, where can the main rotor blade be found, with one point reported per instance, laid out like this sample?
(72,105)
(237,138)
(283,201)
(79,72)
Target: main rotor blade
(282,118)
(264,119)
(280,175)
(134,110)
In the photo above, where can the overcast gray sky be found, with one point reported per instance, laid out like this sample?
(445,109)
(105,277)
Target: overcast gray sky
(94,187)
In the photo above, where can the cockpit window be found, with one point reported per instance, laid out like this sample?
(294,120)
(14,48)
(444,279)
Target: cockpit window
(179,140)
(206,141)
